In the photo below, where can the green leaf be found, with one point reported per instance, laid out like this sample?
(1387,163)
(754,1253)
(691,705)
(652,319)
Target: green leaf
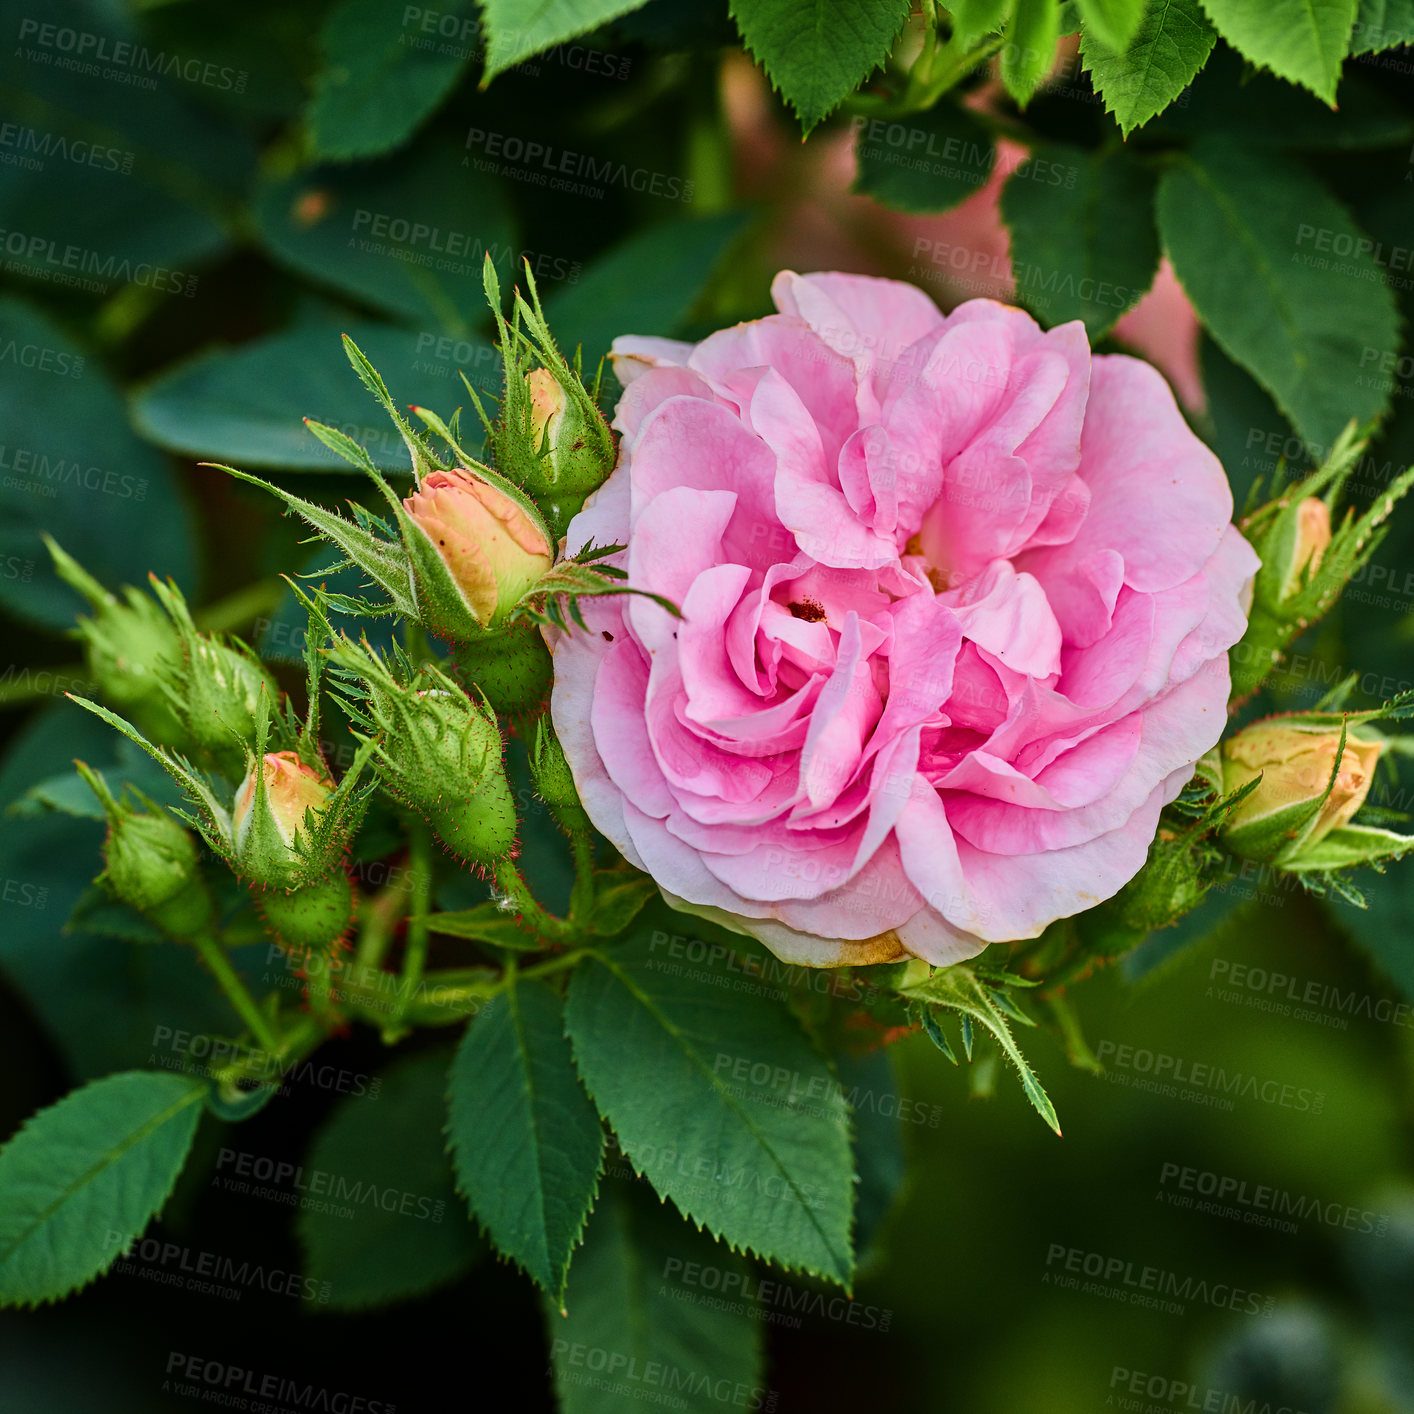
(516,30)
(717,1096)
(619,897)
(1114,22)
(385,71)
(1085,247)
(528,1144)
(1030,48)
(1283,280)
(817,52)
(485,923)
(84,1177)
(380,1220)
(976,19)
(1259,110)
(247,405)
(1382,24)
(108,233)
(1172,43)
(71,466)
(649,284)
(633,1316)
(1303,41)
(924,162)
(405,236)
(1353,844)
(959,989)
(1385,926)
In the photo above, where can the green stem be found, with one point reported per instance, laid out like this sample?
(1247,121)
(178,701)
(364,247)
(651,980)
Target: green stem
(542,969)
(582,894)
(509,881)
(415,951)
(236,992)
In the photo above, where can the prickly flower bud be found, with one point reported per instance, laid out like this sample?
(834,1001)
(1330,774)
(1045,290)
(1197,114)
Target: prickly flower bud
(127,642)
(219,686)
(152,863)
(489,544)
(275,816)
(440,754)
(1294,805)
(554,782)
(288,844)
(578,452)
(1309,533)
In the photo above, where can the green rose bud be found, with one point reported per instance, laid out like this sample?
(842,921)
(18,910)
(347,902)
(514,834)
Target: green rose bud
(440,754)
(312,918)
(1295,804)
(127,642)
(574,451)
(275,818)
(477,553)
(554,781)
(152,863)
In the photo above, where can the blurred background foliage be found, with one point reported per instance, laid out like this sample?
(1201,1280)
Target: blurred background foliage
(196,200)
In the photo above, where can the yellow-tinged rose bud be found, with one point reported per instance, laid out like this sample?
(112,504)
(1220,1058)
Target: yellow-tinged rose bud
(1295,767)
(1313,535)
(491,548)
(291,787)
(547,403)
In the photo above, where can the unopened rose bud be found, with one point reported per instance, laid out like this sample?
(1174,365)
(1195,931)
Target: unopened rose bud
(1308,545)
(273,828)
(219,686)
(547,402)
(152,863)
(554,782)
(1295,766)
(578,453)
(128,641)
(489,544)
(439,753)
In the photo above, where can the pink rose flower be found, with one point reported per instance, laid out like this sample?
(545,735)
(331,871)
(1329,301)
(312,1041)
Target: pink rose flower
(956,603)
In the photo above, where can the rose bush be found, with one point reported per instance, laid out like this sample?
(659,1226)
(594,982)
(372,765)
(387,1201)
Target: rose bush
(956,598)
